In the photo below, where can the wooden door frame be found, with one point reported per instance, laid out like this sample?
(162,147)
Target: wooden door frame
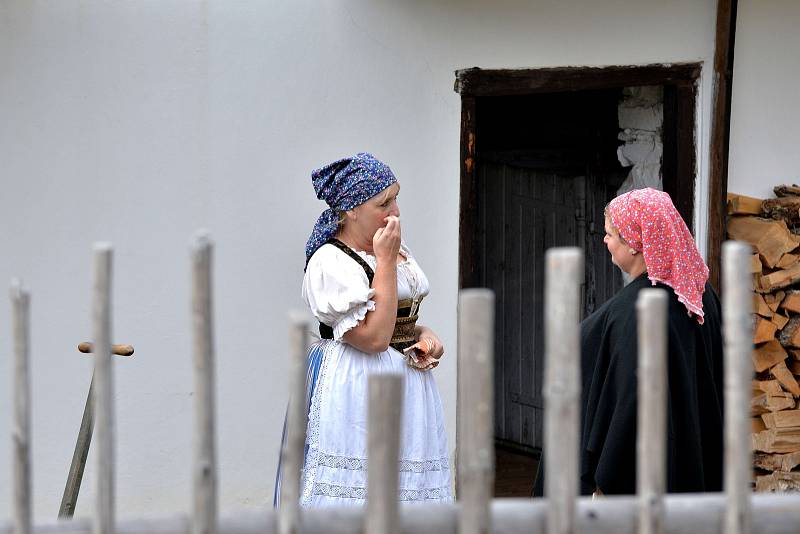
(680,78)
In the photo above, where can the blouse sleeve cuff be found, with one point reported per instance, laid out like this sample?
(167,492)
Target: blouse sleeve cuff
(351,319)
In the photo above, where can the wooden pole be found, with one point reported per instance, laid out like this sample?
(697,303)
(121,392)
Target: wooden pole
(104,518)
(297,419)
(475,409)
(21,436)
(721,100)
(204,513)
(737,306)
(651,456)
(76,468)
(563,277)
(383,453)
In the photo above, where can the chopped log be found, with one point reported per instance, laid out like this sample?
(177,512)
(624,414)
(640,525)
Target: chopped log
(743,205)
(757,284)
(770,387)
(782,419)
(792,301)
(779,482)
(760,306)
(786,190)
(771,403)
(782,440)
(794,352)
(785,208)
(755,264)
(790,335)
(768,354)
(757,424)
(764,330)
(794,367)
(770,238)
(779,320)
(785,377)
(776,462)
(786,261)
(774,300)
(782,278)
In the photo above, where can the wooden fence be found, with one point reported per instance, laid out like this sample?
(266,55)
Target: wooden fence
(562,511)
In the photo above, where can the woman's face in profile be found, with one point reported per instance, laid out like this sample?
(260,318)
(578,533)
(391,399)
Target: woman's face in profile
(372,214)
(620,251)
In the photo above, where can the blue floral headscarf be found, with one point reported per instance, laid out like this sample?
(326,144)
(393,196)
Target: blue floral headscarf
(343,185)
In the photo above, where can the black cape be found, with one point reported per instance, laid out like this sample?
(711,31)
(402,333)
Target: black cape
(694,400)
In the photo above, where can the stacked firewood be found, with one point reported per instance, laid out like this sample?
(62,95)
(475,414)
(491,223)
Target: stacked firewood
(772,227)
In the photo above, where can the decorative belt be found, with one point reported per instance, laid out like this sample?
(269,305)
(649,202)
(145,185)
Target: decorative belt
(403,334)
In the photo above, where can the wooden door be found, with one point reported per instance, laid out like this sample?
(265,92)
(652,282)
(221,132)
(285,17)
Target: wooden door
(525,212)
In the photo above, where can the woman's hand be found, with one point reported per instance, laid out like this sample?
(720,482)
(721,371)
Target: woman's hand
(424,363)
(427,337)
(386,241)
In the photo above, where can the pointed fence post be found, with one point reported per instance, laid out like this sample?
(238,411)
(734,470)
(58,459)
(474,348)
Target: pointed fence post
(383,453)
(651,458)
(475,409)
(104,519)
(563,277)
(204,513)
(297,419)
(737,306)
(21,437)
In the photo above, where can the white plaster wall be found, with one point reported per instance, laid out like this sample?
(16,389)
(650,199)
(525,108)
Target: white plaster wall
(139,121)
(765,110)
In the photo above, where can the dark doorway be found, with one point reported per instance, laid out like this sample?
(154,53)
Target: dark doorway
(538,166)
(546,167)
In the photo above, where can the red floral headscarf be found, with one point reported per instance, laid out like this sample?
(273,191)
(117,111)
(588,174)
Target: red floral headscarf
(648,221)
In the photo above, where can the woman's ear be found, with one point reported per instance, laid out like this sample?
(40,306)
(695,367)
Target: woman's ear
(351,215)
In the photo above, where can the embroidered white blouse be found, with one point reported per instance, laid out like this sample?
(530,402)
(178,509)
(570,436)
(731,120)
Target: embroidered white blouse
(337,291)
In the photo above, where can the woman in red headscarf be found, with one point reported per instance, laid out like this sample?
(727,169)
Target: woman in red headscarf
(648,240)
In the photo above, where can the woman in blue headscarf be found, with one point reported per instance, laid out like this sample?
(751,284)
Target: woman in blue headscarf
(365,287)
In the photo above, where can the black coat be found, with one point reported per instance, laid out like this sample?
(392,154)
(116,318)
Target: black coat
(694,400)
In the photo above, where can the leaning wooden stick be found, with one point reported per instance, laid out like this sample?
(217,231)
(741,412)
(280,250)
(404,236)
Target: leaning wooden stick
(20,318)
(204,516)
(292,460)
(475,409)
(738,331)
(563,277)
(75,476)
(383,450)
(651,459)
(103,389)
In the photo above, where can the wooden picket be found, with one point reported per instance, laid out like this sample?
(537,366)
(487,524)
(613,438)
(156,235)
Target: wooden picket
(104,518)
(562,389)
(21,437)
(204,514)
(651,467)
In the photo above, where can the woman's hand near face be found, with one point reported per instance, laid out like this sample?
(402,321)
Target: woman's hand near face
(374,333)
(386,241)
